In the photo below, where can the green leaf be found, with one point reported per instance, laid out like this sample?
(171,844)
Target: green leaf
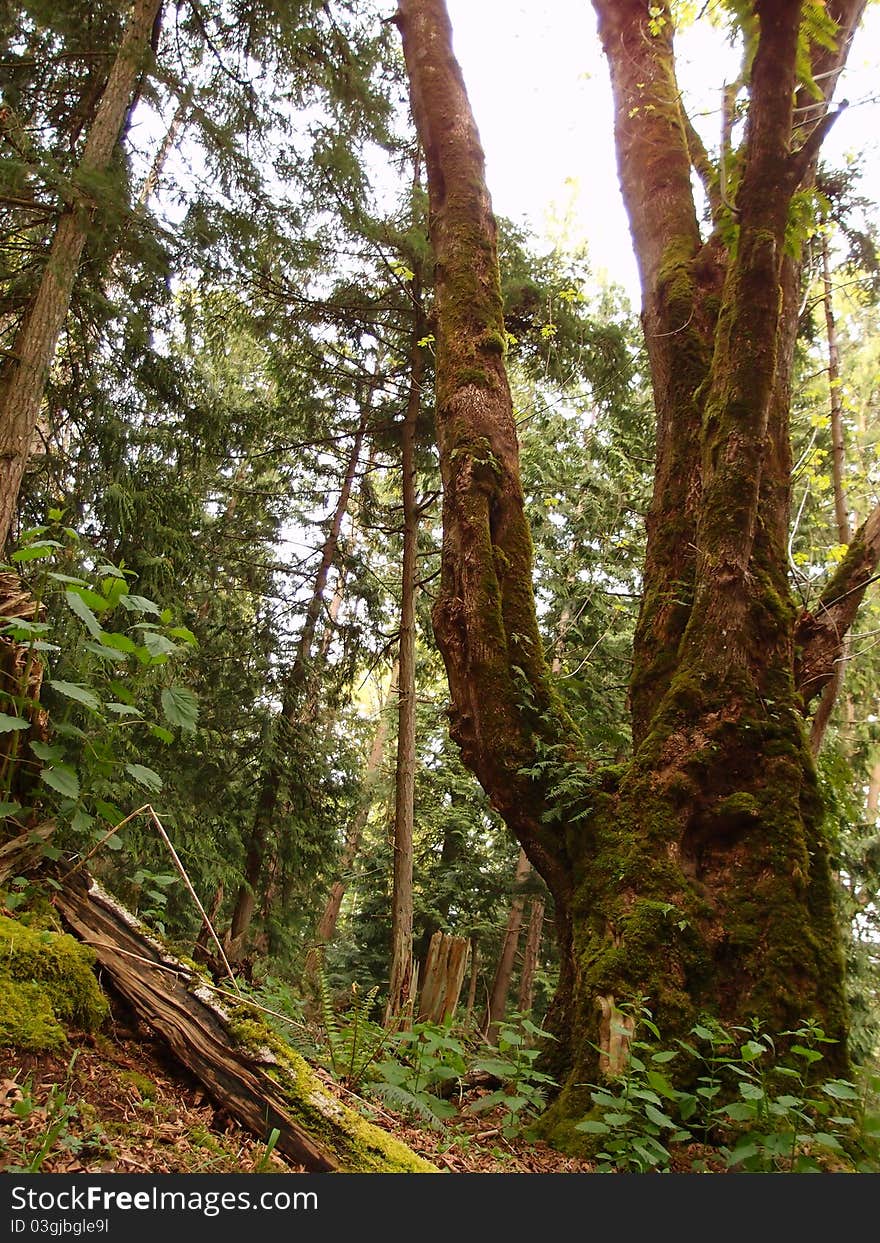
(840,1089)
(74,690)
(67,578)
(180,707)
(95,601)
(164,735)
(77,605)
(666,1055)
(122,709)
(105,653)
(157,644)
(63,778)
(751,1091)
(81,821)
(182,632)
(34,551)
(144,776)
(9,809)
(121,642)
(46,753)
(10,723)
(592,1128)
(139,604)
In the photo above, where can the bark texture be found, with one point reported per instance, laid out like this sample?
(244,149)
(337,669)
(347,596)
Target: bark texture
(697,874)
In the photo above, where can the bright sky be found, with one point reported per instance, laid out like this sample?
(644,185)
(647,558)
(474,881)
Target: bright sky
(538,85)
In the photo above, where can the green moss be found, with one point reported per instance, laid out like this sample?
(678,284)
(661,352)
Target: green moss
(147,1090)
(27,1020)
(58,968)
(359,1147)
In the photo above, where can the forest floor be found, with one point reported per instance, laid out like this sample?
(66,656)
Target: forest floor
(119,1102)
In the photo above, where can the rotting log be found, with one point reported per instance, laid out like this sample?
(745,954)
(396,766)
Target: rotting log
(242,1064)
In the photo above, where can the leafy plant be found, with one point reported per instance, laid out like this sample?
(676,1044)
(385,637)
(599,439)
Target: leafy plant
(105,654)
(354,1041)
(523,1087)
(426,1061)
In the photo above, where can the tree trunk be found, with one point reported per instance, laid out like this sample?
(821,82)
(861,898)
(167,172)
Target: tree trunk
(26,368)
(294,685)
(831,693)
(530,956)
(697,875)
(401,984)
(326,927)
(443,977)
(507,958)
(873,792)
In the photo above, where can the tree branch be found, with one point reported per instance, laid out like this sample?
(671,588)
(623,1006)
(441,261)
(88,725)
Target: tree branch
(820,633)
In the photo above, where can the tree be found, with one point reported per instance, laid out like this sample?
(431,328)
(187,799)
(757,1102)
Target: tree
(697,873)
(26,367)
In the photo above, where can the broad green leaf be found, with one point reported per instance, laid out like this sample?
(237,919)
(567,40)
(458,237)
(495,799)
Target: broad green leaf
(81,821)
(77,605)
(10,723)
(106,653)
(592,1128)
(46,753)
(164,735)
(67,578)
(751,1091)
(121,642)
(157,644)
(73,690)
(122,709)
(109,812)
(63,778)
(180,707)
(9,809)
(139,604)
(99,603)
(33,552)
(144,776)
(840,1090)
(183,632)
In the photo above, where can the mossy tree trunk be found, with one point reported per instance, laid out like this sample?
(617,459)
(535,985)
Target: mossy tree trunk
(699,877)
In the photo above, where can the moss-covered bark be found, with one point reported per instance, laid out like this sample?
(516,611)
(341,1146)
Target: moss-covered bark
(699,877)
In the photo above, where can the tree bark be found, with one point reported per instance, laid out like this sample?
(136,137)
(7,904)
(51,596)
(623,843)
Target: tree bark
(507,958)
(530,956)
(326,927)
(26,368)
(401,984)
(696,875)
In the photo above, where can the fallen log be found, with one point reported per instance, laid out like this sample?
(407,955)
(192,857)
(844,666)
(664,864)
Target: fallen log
(243,1065)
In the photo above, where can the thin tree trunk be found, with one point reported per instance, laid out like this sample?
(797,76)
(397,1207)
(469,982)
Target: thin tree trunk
(831,693)
(474,977)
(874,792)
(401,985)
(326,927)
(507,959)
(26,369)
(530,956)
(297,677)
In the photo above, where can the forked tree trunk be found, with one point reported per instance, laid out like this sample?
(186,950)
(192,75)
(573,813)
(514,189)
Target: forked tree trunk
(26,368)
(697,875)
(401,985)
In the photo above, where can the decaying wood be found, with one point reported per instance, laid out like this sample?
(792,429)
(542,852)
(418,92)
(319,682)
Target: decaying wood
(443,977)
(178,1004)
(19,855)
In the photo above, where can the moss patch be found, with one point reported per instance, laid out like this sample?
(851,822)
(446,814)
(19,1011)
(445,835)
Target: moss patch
(360,1147)
(46,984)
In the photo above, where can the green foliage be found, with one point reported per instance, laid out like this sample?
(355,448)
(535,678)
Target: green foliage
(61,1128)
(524,1087)
(428,1060)
(754,1102)
(107,676)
